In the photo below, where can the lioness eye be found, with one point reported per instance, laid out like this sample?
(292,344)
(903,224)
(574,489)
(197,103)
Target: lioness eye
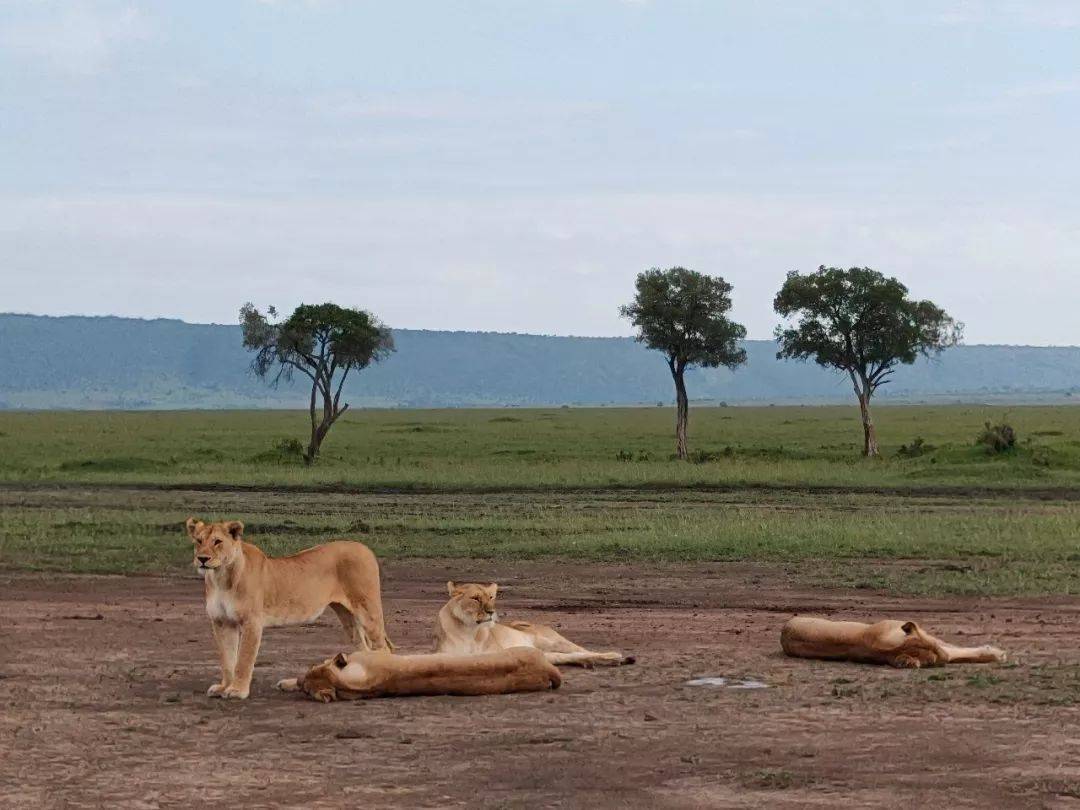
(217,542)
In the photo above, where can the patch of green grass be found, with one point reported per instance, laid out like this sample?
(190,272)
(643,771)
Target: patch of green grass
(850,540)
(477,449)
(981,680)
(587,484)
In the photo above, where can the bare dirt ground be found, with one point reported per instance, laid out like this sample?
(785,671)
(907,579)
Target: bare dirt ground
(102,684)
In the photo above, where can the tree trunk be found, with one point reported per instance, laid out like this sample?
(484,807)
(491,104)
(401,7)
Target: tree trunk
(870,448)
(314,442)
(320,427)
(682,413)
(318,433)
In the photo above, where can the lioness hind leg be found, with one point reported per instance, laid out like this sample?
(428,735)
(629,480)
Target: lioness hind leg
(560,650)
(354,628)
(363,630)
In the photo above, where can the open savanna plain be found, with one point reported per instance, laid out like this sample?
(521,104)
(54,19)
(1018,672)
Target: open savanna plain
(587,523)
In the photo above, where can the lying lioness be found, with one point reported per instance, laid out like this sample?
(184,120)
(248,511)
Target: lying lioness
(247,591)
(467,625)
(379,674)
(900,644)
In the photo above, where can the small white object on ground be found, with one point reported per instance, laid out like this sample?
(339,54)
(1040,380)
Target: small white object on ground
(730,684)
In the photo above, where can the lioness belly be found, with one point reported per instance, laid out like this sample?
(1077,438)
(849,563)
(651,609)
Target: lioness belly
(287,619)
(507,637)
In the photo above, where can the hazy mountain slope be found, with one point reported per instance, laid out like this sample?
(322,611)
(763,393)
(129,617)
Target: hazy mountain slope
(77,362)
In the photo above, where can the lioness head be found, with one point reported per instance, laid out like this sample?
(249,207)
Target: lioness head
(321,681)
(215,543)
(473,604)
(918,648)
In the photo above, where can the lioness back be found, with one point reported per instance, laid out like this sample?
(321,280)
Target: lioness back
(365,675)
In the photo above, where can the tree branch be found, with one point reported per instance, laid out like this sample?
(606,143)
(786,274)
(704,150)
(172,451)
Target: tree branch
(337,394)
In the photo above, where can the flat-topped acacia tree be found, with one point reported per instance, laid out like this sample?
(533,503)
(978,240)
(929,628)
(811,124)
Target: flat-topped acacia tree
(859,322)
(324,342)
(684,315)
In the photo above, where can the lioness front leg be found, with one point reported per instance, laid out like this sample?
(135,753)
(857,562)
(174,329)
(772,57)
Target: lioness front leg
(250,639)
(974,655)
(227,638)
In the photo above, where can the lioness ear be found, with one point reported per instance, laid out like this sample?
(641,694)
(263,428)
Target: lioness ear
(340,661)
(193,526)
(491,589)
(908,628)
(235,528)
(451,586)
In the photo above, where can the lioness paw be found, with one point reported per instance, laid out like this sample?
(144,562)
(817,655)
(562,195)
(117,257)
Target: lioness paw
(235,693)
(999,654)
(215,690)
(289,685)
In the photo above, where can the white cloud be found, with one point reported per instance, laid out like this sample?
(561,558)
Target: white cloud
(310,4)
(78,38)
(1036,13)
(445,107)
(1062,86)
(551,263)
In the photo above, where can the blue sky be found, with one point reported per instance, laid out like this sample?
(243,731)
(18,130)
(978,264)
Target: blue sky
(511,164)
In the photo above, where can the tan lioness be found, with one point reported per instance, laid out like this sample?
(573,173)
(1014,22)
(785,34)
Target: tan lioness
(467,625)
(247,591)
(899,644)
(379,674)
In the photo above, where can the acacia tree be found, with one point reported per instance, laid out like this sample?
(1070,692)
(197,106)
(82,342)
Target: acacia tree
(683,314)
(323,342)
(859,322)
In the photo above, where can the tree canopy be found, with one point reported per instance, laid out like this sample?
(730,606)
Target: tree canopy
(860,322)
(322,341)
(683,314)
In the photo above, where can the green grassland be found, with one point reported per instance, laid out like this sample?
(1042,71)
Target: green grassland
(483,449)
(107,492)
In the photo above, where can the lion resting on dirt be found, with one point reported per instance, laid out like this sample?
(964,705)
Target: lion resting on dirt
(379,674)
(466,626)
(899,644)
(247,591)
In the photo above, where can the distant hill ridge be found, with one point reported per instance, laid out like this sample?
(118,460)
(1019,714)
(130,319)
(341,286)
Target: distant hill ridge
(111,362)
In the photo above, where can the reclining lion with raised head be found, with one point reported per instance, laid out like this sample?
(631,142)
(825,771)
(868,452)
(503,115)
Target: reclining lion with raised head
(379,674)
(899,644)
(467,625)
(247,591)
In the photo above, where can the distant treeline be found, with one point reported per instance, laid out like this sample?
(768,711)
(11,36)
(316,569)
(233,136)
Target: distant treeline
(78,362)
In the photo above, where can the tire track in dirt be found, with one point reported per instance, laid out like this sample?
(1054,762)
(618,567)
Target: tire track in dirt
(922,491)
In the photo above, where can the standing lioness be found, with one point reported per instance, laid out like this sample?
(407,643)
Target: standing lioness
(247,591)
